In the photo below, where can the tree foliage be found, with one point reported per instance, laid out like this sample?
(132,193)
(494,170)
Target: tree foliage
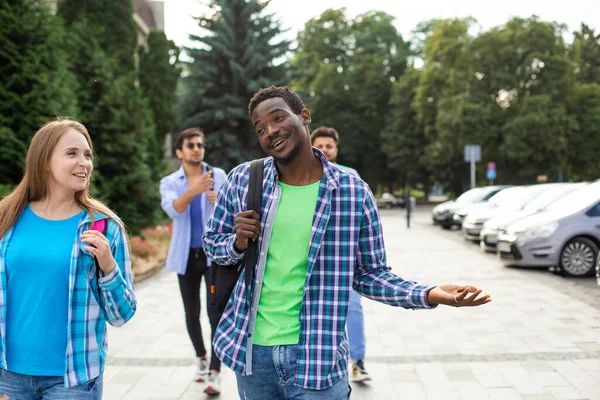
(345,69)
(114,109)
(36,83)
(238,53)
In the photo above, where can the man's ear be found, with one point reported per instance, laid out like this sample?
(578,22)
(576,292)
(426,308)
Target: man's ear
(179,154)
(305,114)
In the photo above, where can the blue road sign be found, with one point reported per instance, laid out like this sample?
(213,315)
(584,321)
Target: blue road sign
(491,174)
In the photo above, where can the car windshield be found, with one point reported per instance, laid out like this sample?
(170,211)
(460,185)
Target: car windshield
(578,199)
(508,197)
(474,195)
(551,195)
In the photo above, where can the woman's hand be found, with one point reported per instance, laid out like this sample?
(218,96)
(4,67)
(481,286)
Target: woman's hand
(99,246)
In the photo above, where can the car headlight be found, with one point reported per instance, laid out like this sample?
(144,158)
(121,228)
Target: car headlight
(540,232)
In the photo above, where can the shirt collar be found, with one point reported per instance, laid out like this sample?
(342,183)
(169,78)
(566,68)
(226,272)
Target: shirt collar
(180,173)
(331,173)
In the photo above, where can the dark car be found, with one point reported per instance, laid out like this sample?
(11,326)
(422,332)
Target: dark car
(443,214)
(388,200)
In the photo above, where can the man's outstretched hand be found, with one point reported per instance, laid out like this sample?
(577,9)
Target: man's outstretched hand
(457,296)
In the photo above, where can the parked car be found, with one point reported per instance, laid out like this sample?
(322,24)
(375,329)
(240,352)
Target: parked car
(506,202)
(495,226)
(443,213)
(566,234)
(598,270)
(388,200)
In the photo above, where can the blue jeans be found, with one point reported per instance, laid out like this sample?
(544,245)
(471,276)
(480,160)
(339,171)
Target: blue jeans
(27,387)
(274,374)
(355,326)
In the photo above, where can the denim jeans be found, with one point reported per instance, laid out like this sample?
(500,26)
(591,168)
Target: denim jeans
(274,374)
(27,387)
(355,326)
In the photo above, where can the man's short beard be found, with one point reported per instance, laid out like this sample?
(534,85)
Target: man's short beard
(193,163)
(291,156)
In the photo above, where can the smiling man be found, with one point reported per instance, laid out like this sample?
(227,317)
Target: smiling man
(319,236)
(188,197)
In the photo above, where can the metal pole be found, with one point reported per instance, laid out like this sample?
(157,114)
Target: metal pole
(472,173)
(407,205)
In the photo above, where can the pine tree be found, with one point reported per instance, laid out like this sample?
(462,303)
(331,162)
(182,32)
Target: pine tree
(36,83)
(236,56)
(114,108)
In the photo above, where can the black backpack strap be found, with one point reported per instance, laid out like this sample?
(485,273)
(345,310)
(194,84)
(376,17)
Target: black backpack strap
(253,202)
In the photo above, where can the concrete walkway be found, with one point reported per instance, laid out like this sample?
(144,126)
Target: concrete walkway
(535,341)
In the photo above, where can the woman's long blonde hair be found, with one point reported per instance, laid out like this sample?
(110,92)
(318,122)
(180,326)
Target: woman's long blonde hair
(34,185)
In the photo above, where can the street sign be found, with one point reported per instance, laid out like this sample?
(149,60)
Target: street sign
(491,171)
(472,153)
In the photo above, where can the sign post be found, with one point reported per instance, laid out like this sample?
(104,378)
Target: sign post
(491,172)
(472,155)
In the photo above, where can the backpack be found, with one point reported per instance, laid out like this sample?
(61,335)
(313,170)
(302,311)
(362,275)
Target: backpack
(225,277)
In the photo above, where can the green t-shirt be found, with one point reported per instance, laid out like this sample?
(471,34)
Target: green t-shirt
(285,271)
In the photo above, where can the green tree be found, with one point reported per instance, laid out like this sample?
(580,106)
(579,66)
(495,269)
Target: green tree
(534,93)
(586,53)
(445,103)
(114,108)
(158,76)
(583,144)
(403,140)
(346,68)
(36,83)
(239,53)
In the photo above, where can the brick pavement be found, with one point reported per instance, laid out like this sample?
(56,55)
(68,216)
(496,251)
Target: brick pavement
(537,340)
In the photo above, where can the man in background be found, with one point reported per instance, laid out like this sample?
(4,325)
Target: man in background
(327,139)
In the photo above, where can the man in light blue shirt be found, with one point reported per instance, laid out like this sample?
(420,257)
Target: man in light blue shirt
(188,196)
(326,139)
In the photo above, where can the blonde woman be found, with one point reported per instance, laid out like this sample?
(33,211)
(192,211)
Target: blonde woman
(60,280)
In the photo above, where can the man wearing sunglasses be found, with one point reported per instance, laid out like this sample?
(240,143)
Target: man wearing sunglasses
(188,196)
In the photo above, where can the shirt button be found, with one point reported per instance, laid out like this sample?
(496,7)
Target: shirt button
(262,253)
(249,335)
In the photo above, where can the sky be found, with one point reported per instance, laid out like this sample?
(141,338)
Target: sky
(293,14)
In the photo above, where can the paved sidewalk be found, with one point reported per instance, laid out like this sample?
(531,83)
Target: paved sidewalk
(533,342)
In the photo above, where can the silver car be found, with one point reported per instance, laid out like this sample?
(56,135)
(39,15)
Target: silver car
(566,234)
(508,201)
(496,226)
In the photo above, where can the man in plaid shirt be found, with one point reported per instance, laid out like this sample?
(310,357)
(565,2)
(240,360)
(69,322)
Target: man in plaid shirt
(319,236)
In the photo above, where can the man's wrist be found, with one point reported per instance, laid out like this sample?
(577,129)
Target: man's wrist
(237,248)
(433,297)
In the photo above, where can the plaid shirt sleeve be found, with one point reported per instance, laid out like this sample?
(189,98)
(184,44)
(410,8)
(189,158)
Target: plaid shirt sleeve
(373,278)
(119,301)
(219,234)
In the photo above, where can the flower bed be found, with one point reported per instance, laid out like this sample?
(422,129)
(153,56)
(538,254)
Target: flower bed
(149,250)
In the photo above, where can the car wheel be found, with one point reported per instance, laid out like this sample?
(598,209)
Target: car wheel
(578,257)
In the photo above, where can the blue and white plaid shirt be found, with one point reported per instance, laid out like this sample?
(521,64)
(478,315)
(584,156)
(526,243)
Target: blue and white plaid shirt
(346,251)
(89,308)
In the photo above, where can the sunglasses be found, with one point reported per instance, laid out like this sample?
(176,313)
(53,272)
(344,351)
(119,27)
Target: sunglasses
(191,146)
